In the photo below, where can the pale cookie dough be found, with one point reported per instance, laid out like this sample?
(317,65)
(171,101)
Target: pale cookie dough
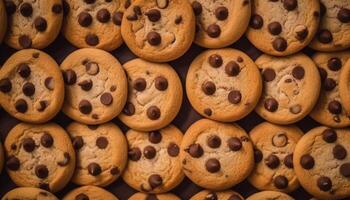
(28,193)
(144,196)
(39,156)
(222,195)
(101,153)
(154,165)
(291,88)
(344,86)
(282,28)
(31,86)
(329,110)
(3,21)
(155,95)
(270,195)
(216,155)
(96,86)
(89,193)
(159,30)
(223,85)
(322,163)
(33,24)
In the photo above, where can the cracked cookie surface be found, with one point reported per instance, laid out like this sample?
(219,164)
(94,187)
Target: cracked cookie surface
(3,21)
(269,195)
(101,153)
(154,165)
(155,95)
(223,85)
(282,28)
(96,86)
(143,196)
(159,30)
(31,86)
(220,152)
(39,156)
(222,195)
(288,81)
(344,86)
(322,163)
(29,193)
(89,192)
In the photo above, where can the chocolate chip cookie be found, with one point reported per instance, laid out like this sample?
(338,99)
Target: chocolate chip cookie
(159,30)
(39,156)
(22,193)
(282,28)
(223,84)
(89,192)
(321,162)
(96,86)
(216,155)
(333,32)
(344,86)
(3,21)
(268,195)
(144,196)
(154,165)
(155,95)
(273,150)
(33,24)
(220,23)
(31,86)
(329,109)
(291,88)
(222,195)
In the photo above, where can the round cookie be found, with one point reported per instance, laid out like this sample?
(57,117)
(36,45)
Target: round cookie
(223,84)
(268,195)
(155,95)
(273,150)
(159,30)
(144,196)
(282,28)
(3,21)
(29,193)
(291,88)
(96,86)
(223,195)
(333,32)
(220,23)
(222,153)
(101,153)
(154,165)
(31,86)
(329,109)
(344,86)
(89,192)
(33,24)
(39,156)
(321,162)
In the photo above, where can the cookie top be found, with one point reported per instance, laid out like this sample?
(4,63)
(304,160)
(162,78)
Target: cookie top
(159,30)
(89,192)
(31,86)
(24,193)
(222,153)
(288,81)
(153,156)
(333,32)
(39,156)
(270,195)
(223,195)
(223,84)
(96,86)
(101,153)
(94,23)
(273,150)
(282,28)
(155,95)
(33,24)
(321,162)
(329,108)
(3,20)
(344,86)
(144,196)
(220,23)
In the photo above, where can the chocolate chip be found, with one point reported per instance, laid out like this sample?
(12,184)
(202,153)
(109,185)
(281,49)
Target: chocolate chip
(325,36)
(329,135)
(106,99)
(40,24)
(339,152)
(208,112)
(26,9)
(89,1)
(195,150)
(21,106)
(113,88)
(173,149)
(117,18)
(5,85)
(345,169)
(197,8)
(28,144)
(298,72)
(41,171)
(78,142)
(296,109)
(279,44)
(101,142)
(92,39)
(235,97)
(161,83)
(272,161)
(13,146)
(239,59)
(234,144)
(153,113)
(25,41)
(115,171)
(134,154)
(70,77)
(49,83)
(57,8)
(290,4)
(307,161)
(132,17)
(211,196)
(65,160)
(178,19)
(324,183)
(153,15)
(137,10)
(232,69)
(221,13)
(155,180)
(323,73)
(215,60)
(208,88)
(235,197)
(334,64)
(212,165)
(85,85)
(28,89)
(155,137)
(214,141)
(344,15)
(84,19)
(302,34)
(258,156)
(103,15)
(213,31)
(129,109)
(12,163)
(46,140)
(329,84)
(43,105)
(10,7)
(81,196)
(94,169)
(335,107)
(85,107)
(256,21)
(154,38)
(275,28)
(149,152)
(139,84)
(271,104)
(288,161)
(280,182)
(24,70)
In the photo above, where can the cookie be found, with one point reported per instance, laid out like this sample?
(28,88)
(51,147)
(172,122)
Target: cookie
(268,195)
(29,193)
(344,86)
(155,95)
(223,84)
(220,23)
(31,86)
(159,30)
(94,23)
(273,150)
(101,153)
(334,29)
(96,86)
(89,192)
(3,21)
(329,109)
(321,162)
(39,156)
(143,196)
(288,82)
(223,195)
(154,157)
(282,28)
(222,153)
(33,24)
